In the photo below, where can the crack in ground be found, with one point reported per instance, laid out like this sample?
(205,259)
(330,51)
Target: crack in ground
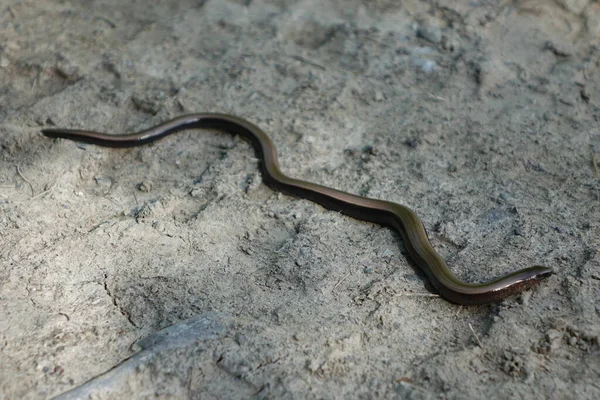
(114,301)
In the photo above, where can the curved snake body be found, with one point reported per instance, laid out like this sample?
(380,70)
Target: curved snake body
(396,216)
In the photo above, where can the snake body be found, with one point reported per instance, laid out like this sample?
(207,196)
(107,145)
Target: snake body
(396,216)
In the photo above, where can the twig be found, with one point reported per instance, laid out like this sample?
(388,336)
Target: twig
(25,179)
(476,337)
(340,281)
(377,41)
(304,60)
(595,165)
(12,13)
(35,80)
(458,311)
(433,96)
(45,191)
(191,380)
(418,294)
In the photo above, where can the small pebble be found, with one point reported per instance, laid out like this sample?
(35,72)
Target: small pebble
(429,32)
(145,186)
(573,340)
(387,253)
(313,365)
(4,62)
(197,192)
(427,66)
(158,225)
(507,196)
(241,339)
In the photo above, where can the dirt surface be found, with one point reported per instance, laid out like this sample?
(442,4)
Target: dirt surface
(170,271)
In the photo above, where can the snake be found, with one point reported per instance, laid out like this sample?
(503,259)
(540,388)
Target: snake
(385,213)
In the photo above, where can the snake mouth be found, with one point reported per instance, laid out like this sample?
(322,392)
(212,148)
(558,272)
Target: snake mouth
(541,272)
(545,274)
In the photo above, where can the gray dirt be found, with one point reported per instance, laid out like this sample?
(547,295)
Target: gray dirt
(170,271)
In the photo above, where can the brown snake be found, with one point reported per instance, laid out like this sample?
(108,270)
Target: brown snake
(397,216)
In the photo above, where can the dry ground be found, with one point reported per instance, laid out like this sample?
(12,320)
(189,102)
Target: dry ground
(170,271)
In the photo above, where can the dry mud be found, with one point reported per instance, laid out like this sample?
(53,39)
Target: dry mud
(170,271)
